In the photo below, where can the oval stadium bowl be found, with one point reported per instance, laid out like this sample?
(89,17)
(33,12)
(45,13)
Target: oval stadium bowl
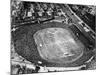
(26,46)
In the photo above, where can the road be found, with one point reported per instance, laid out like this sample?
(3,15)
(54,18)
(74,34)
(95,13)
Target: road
(76,20)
